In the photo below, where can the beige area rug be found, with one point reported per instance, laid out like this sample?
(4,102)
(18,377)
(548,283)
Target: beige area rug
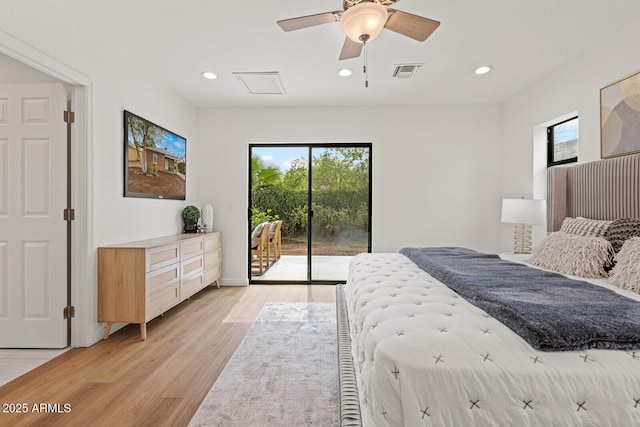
(284,373)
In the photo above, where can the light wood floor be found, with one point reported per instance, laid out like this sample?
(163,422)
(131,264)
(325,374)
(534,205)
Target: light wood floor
(158,382)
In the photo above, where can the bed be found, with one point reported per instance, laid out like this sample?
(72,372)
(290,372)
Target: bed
(414,352)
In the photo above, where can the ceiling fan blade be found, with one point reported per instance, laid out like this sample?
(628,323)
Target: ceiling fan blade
(310,20)
(413,26)
(350,49)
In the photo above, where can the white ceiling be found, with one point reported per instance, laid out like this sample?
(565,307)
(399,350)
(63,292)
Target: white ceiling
(176,40)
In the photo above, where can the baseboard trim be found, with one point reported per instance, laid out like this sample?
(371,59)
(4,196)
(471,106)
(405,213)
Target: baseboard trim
(234,282)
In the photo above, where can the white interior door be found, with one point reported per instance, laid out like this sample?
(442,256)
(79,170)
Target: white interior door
(33,241)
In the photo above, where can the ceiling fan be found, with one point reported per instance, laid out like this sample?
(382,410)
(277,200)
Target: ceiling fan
(362,21)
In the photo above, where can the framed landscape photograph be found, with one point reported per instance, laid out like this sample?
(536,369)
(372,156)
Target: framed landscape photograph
(620,117)
(155,160)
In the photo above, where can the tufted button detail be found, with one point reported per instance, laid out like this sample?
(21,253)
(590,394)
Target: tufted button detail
(586,358)
(535,359)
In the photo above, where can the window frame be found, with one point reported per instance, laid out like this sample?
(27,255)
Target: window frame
(550,145)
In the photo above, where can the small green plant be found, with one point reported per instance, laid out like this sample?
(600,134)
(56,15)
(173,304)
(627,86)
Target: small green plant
(258,217)
(191,213)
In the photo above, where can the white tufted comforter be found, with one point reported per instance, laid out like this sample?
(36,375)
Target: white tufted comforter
(426,357)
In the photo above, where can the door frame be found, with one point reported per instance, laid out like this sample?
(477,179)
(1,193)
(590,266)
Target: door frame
(79,87)
(309,280)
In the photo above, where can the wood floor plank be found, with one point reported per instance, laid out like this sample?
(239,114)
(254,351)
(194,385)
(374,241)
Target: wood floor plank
(124,381)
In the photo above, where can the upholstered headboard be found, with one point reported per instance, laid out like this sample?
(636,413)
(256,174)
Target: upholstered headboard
(604,189)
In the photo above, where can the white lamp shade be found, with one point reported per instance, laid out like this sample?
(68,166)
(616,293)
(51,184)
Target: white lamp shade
(364,18)
(524,211)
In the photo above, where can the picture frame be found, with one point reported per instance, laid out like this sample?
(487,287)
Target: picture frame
(155,160)
(620,117)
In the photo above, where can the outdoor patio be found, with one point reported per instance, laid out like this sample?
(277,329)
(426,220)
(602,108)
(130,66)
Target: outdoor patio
(294,268)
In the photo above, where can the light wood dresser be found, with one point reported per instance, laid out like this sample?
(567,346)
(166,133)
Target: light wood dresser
(138,281)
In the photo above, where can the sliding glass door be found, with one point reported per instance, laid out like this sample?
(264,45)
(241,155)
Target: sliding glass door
(340,209)
(316,200)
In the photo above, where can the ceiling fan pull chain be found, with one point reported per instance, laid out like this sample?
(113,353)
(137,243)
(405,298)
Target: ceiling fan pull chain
(364,68)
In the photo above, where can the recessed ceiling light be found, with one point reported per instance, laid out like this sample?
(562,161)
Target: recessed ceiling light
(209,75)
(345,72)
(484,69)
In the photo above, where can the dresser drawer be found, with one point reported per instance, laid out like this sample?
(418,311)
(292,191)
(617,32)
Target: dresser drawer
(213,257)
(191,285)
(192,266)
(163,300)
(191,248)
(162,278)
(212,241)
(212,273)
(162,256)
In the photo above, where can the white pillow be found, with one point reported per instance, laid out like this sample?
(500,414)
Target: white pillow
(566,253)
(585,226)
(626,273)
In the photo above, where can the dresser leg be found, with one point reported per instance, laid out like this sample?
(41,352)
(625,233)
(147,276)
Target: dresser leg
(143,331)
(107,330)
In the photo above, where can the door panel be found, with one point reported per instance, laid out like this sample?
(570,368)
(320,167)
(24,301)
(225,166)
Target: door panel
(281,173)
(340,205)
(33,240)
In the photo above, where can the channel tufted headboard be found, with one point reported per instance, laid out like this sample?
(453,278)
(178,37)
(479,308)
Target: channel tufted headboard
(604,189)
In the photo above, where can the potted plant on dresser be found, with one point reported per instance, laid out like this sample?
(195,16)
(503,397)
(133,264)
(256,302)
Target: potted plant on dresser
(190,216)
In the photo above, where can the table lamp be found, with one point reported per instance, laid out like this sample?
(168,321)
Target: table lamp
(523,213)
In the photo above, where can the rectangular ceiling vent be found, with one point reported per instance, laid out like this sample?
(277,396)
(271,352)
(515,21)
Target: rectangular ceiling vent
(406,71)
(261,83)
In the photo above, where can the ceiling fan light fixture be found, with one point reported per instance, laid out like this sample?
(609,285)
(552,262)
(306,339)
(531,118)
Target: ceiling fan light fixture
(345,72)
(364,19)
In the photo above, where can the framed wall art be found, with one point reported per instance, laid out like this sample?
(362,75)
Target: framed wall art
(155,160)
(620,117)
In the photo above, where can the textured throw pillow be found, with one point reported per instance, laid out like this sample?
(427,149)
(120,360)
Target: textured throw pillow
(621,230)
(584,256)
(626,273)
(585,226)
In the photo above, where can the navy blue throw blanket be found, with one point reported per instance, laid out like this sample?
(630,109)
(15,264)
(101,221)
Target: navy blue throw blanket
(548,310)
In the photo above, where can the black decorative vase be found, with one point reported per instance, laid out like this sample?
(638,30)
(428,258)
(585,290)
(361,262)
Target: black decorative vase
(190,225)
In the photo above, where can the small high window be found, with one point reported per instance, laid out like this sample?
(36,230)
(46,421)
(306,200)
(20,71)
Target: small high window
(562,142)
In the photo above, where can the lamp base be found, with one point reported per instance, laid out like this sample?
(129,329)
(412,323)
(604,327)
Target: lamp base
(522,239)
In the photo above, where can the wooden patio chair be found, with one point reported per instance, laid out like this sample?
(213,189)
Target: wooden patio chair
(260,248)
(275,241)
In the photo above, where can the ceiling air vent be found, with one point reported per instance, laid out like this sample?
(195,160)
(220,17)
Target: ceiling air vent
(406,71)
(261,83)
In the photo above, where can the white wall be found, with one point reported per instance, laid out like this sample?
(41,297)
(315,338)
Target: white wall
(575,87)
(436,170)
(114,85)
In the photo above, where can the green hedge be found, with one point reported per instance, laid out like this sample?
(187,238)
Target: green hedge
(333,210)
